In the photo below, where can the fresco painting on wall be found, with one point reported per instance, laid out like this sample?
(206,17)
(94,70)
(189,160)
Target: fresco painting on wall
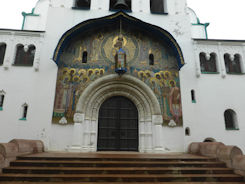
(74,75)
(70,84)
(165,85)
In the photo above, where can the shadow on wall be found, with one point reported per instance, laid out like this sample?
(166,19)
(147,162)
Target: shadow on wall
(209,139)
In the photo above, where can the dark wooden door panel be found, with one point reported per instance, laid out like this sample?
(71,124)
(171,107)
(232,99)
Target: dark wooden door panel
(118,125)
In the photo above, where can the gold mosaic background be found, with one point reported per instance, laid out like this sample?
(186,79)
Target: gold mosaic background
(101,46)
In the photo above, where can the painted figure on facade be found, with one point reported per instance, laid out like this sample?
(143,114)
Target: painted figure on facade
(100,48)
(175,102)
(120,57)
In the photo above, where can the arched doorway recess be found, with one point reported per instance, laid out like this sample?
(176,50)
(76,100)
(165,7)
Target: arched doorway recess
(118,125)
(87,111)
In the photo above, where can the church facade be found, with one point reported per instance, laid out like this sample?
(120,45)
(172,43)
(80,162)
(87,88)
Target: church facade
(119,75)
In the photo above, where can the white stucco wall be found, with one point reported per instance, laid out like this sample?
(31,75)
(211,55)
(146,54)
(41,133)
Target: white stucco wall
(198,30)
(215,93)
(32,85)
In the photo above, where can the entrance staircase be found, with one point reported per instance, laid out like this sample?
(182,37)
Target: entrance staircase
(73,168)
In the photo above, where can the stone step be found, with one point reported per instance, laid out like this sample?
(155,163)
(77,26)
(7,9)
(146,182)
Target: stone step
(142,159)
(113,155)
(16,182)
(122,177)
(101,163)
(117,170)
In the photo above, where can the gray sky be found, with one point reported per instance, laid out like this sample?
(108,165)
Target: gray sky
(225,16)
(10,12)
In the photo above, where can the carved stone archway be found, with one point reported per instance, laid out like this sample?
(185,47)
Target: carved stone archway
(87,110)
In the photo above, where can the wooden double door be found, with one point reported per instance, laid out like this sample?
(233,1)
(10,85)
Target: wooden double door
(118,125)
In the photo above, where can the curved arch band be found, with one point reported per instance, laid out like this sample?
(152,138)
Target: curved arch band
(150,118)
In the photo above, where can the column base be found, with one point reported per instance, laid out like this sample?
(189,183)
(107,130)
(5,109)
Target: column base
(74,149)
(159,150)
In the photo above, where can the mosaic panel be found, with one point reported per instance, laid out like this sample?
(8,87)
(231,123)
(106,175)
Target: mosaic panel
(101,45)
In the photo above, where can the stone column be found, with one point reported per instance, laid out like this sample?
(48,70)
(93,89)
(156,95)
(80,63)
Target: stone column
(221,60)
(141,136)
(148,135)
(197,62)
(242,59)
(10,52)
(86,134)
(145,6)
(77,133)
(157,124)
(93,134)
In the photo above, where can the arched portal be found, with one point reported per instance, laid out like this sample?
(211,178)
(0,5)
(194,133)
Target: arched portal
(118,125)
(88,106)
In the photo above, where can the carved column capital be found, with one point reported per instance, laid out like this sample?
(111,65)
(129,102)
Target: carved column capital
(157,119)
(78,118)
